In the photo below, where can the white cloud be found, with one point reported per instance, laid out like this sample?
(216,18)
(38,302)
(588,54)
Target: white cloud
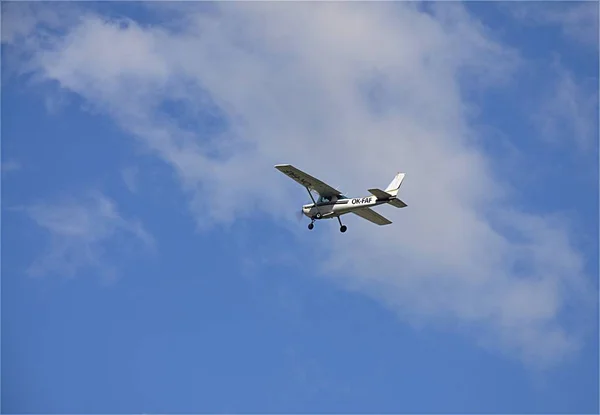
(79,230)
(351,93)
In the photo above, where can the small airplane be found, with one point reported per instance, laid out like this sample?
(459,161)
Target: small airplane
(333,204)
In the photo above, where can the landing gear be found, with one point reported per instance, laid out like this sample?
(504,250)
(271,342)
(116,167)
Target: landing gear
(318,215)
(343,228)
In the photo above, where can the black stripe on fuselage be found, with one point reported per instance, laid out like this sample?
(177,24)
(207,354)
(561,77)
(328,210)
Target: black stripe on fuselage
(339,202)
(345,201)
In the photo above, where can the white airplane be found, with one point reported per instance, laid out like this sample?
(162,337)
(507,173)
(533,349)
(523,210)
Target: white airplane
(333,204)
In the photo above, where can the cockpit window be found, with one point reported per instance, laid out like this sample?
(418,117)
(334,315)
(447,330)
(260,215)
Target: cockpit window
(323,200)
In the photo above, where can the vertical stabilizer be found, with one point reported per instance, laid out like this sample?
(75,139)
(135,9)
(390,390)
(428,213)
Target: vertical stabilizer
(394,186)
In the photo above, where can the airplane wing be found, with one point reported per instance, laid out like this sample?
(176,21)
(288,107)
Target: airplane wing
(307,180)
(372,216)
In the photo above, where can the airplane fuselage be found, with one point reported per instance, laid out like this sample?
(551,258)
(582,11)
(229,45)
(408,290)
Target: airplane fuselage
(340,207)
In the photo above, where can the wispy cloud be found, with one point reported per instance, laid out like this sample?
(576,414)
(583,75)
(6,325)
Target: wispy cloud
(10,165)
(80,231)
(130,176)
(577,20)
(347,92)
(568,109)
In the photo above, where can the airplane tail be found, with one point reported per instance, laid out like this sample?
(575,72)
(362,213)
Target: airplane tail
(391,191)
(394,186)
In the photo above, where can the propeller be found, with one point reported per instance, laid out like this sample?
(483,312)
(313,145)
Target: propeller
(299,214)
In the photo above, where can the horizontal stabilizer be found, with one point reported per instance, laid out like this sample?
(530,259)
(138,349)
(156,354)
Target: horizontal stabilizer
(372,216)
(380,194)
(397,203)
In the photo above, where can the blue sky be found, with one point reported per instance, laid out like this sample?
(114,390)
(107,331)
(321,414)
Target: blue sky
(152,258)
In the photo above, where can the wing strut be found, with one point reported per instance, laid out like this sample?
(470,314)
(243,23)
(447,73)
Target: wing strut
(313,199)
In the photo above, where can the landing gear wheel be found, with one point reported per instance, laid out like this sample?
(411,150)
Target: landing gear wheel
(318,215)
(342,226)
(311,225)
